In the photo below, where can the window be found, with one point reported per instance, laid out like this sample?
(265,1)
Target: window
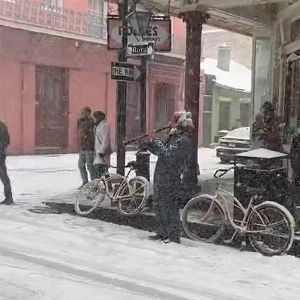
(96,18)
(96,7)
(164,103)
(53,4)
(207,103)
(224,115)
(245,112)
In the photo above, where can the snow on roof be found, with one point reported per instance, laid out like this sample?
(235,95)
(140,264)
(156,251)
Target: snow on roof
(238,76)
(262,153)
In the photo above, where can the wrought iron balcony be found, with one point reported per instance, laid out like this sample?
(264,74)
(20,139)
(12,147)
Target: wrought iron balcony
(35,13)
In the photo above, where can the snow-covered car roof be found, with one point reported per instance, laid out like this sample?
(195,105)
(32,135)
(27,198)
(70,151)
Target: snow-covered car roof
(242,133)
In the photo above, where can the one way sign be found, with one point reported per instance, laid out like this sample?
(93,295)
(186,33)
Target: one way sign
(125,72)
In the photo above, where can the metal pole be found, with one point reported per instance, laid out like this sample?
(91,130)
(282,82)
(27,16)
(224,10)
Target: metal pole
(122,93)
(194,21)
(143,156)
(143,96)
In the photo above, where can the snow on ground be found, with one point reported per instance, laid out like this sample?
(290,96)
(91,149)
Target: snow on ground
(34,177)
(63,257)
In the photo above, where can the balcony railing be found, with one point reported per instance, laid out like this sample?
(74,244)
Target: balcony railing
(31,12)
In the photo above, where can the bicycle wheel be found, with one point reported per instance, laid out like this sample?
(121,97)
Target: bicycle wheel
(203,219)
(272,229)
(132,197)
(90,197)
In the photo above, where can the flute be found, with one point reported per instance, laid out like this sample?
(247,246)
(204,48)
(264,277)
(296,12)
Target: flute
(140,137)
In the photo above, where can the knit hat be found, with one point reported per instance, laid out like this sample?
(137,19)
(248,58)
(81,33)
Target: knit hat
(183,120)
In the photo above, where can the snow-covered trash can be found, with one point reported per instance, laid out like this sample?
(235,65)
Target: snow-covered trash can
(263,172)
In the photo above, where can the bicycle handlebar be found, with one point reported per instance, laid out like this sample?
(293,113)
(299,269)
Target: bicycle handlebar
(129,165)
(222,172)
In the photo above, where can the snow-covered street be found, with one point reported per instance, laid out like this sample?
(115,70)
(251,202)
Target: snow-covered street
(64,257)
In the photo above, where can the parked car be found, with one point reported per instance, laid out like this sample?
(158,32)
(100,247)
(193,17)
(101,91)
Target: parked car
(236,141)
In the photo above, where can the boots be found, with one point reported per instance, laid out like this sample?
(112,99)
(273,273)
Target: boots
(7,201)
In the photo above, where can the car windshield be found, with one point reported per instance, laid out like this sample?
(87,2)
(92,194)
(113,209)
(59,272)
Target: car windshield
(239,133)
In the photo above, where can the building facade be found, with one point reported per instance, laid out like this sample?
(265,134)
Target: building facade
(54,61)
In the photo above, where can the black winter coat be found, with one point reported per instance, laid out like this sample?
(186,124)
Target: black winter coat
(173,158)
(4,138)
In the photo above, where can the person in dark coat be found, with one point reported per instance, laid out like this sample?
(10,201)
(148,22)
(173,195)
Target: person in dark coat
(295,158)
(86,135)
(4,142)
(172,160)
(272,139)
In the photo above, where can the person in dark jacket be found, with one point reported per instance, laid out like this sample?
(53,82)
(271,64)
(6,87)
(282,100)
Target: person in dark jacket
(4,142)
(272,140)
(86,134)
(172,160)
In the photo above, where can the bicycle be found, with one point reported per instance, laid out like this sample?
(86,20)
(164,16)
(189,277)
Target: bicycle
(128,194)
(269,226)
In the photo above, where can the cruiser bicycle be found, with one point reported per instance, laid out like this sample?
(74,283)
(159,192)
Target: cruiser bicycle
(268,226)
(129,195)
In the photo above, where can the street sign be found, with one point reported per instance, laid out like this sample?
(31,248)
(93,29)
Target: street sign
(125,72)
(159,33)
(140,49)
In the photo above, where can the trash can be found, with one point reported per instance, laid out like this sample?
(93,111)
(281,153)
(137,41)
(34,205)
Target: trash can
(264,173)
(143,164)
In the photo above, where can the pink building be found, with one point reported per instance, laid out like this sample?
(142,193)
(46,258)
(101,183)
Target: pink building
(54,61)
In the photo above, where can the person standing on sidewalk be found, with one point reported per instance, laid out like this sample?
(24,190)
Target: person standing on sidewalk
(173,158)
(272,139)
(85,125)
(102,144)
(4,142)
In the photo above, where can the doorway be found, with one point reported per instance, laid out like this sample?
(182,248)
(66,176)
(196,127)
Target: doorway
(164,104)
(224,115)
(52,106)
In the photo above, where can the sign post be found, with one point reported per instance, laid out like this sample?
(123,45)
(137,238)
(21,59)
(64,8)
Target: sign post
(122,92)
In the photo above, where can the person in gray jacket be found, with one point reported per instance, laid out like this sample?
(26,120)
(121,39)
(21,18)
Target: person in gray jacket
(4,142)
(102,144)
(173,158)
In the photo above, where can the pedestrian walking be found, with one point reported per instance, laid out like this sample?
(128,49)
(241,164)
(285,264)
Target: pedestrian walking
(102,144)
(173,158)
(4,142)
(86,136)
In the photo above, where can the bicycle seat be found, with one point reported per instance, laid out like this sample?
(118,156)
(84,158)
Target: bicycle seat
(132,165)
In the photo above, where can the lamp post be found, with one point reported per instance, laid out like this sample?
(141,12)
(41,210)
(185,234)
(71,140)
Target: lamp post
(139,19)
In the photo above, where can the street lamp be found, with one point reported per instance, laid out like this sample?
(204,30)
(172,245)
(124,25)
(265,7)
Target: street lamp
(139,19)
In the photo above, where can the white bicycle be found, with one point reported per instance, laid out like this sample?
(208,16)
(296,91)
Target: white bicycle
(269,226)
(129,195)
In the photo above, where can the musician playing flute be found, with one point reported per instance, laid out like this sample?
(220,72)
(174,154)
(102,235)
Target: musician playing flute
(173,158)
